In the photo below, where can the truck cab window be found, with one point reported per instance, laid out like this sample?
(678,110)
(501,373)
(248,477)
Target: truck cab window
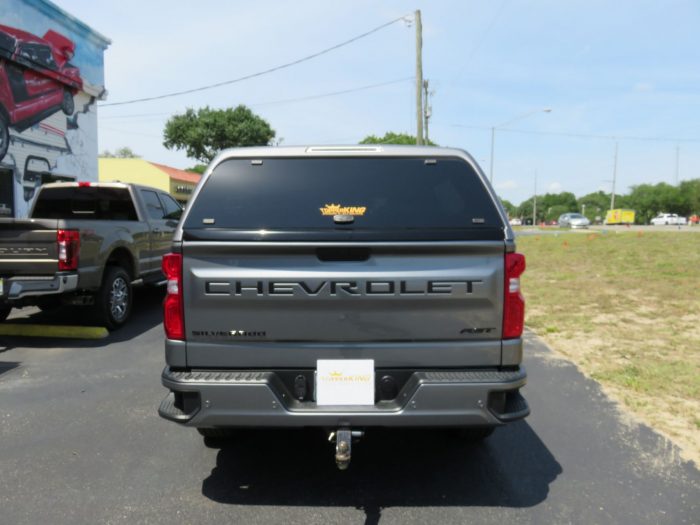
(153,205)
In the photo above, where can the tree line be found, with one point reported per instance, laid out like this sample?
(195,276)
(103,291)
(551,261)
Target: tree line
(647,200)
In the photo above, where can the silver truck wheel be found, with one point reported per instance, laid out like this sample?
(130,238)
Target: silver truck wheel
(114,297)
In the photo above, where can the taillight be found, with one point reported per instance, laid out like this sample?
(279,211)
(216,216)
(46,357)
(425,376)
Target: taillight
(68,242)
(173,315)
(514,302)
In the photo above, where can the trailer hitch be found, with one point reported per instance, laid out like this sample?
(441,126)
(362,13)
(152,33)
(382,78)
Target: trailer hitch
(343,445)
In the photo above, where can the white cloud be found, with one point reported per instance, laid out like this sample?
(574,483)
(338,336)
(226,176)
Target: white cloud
(643,87)
(554,187)
(506,185)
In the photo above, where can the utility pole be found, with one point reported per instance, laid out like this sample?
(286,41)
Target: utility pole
(534,203)
(419,79)
(612,197)
(493,139)
(678,154)
(428,111)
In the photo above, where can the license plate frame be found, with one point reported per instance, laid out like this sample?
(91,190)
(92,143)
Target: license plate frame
(345,382)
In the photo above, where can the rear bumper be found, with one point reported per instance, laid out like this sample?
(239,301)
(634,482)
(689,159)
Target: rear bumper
(19,287)
(260,399)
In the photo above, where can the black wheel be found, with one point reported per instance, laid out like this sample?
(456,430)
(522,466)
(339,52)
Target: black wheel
(217,433)
(114,298)
(67,105)
(474,435)
(4,137)
(4,312)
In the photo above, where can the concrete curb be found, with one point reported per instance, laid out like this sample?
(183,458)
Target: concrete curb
(65,331)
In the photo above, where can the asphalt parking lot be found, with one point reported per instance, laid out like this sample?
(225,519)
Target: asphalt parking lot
(81,443)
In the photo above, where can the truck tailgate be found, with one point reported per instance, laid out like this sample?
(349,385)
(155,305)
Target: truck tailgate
(28,247)
(436,304)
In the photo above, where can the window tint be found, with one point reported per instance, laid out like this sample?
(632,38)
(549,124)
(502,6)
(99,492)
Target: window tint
(153,206)
(383,194)
(39,54)
(172,208)
(111,204)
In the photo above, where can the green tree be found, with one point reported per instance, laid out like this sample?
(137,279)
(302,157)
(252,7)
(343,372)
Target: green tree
(510,208)
(595,205)
(564,199)
(552,213)
(525,209)
(205,132)
(647,200)
(690,195)
(393,138)
(124,152)
(197,168)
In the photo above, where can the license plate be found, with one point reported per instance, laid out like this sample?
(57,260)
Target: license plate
(345,382)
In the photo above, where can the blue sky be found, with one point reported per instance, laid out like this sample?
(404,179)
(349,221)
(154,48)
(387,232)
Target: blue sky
(622,68)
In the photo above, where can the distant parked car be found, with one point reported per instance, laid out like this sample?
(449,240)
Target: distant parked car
(573,220)
(668,218)
(515,222)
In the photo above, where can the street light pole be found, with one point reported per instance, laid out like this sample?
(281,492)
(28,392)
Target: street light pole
(534,203)
(614,180)
(494,128)
(493,140)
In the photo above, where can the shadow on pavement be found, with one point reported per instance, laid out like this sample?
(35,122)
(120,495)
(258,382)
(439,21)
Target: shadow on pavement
(145,314)
(390,468)
(7,366)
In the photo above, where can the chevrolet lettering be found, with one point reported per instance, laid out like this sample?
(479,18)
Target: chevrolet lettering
(340,288)
(344,288)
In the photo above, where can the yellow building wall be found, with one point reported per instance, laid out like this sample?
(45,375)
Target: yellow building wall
(135,171)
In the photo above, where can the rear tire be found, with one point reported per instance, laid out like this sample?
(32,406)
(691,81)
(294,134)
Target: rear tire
(4,312)
(68,104)
(114,298)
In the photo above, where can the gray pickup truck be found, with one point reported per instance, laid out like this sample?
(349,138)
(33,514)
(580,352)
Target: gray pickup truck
(344,288)
(86,244)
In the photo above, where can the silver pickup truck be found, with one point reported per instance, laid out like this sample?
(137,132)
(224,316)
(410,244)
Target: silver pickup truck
(86,244)
(344,288)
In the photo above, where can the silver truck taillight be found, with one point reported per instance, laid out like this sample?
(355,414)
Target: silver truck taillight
(173,315)
(514,302)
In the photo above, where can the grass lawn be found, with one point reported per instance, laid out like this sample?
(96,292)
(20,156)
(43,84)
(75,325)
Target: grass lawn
(625,307)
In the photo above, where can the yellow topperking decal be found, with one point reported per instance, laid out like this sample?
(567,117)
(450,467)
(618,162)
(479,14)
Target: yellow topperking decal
(338,209)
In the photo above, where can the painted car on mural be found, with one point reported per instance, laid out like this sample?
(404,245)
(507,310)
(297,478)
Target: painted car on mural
(36,79)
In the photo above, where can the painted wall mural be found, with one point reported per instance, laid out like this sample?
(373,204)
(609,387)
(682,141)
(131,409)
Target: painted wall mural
(51,76)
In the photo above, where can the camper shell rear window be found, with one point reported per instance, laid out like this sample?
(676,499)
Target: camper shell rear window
(368,198)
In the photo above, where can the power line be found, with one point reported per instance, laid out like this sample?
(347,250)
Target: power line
(332,93)
(480,40)
(274,102)
(259,73)
(578,135)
